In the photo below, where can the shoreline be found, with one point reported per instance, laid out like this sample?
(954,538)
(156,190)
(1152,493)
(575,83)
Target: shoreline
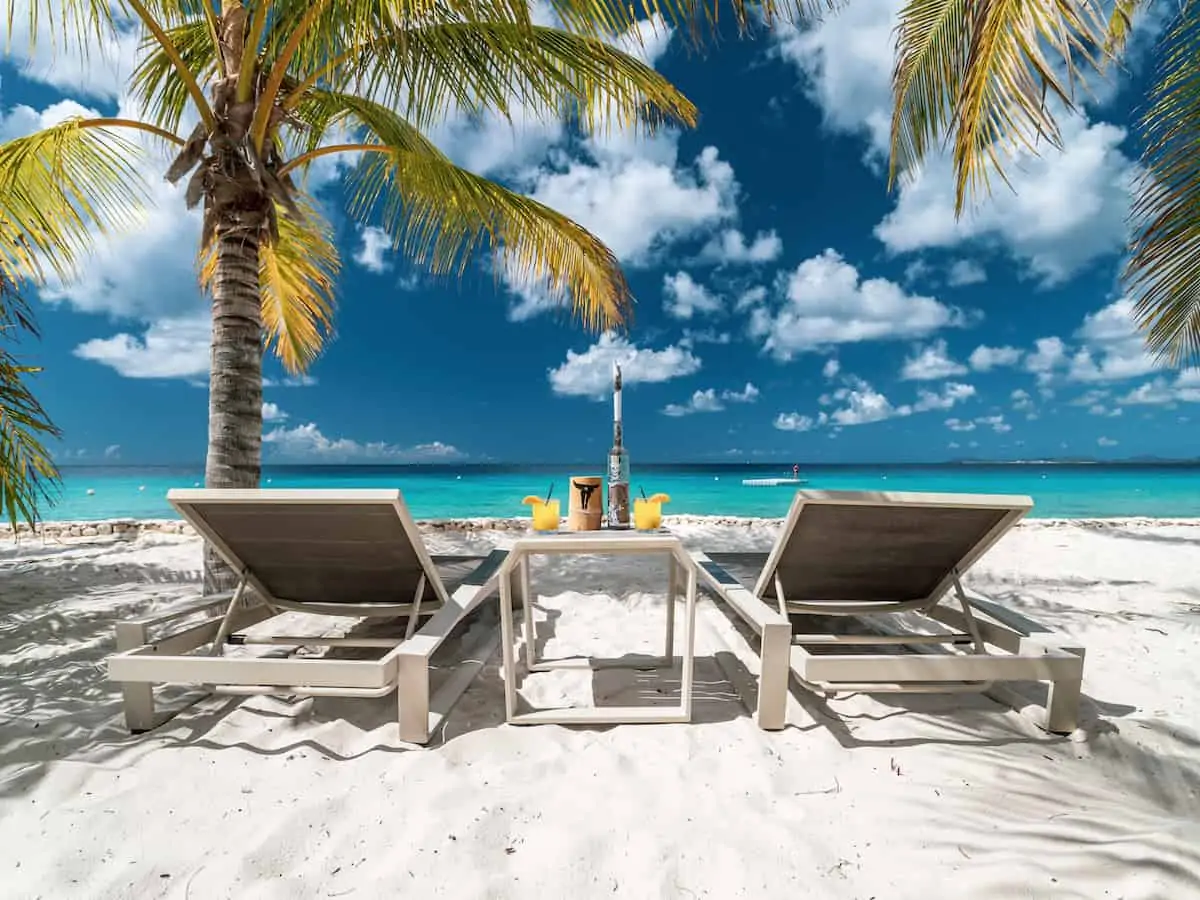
(131,528)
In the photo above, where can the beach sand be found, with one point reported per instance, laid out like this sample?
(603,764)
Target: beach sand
(887,797)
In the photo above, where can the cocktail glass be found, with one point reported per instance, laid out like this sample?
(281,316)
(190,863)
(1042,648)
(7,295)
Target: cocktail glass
(647,514)
(545,515)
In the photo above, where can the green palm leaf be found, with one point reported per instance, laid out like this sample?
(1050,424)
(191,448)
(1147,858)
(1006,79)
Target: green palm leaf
(59,187)
(1163,272)
(442,215)
(27,471)
(296,275)
(983,71)
(429,71)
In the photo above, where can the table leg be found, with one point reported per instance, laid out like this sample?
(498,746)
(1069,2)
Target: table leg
(527,613)
(689,652)
(506,637)
(672,591)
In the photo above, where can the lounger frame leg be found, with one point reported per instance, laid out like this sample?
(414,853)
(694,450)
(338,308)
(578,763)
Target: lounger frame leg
(1062,705)
(672,593)
(137,697)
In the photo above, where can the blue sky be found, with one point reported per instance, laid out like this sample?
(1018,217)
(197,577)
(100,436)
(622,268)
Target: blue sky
(788,307)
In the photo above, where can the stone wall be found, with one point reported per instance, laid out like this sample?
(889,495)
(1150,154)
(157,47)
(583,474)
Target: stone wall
(122,529)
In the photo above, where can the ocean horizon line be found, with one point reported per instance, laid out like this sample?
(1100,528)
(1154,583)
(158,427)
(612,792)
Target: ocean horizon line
(653,464)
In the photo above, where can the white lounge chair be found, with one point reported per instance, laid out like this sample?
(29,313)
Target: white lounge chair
(860,554)
(353,553)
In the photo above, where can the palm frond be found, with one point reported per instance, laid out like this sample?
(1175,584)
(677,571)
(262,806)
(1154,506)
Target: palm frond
(77,26)
(988,82)
(442,216)
(27,471)
(429,71)
(1163,272)
(59,187)
(931,52)
(296,275)
(164,97)
(1120,26)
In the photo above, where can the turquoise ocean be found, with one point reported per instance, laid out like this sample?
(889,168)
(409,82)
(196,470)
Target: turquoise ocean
(441,492)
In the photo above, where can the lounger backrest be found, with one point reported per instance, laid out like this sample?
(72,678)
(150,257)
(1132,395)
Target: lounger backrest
(886,547)
(316,546)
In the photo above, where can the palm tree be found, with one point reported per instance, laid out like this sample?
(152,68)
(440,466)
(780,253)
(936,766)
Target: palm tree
(989,74)
(250,92)
(27,471)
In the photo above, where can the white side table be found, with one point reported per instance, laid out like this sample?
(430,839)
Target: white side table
(616,542)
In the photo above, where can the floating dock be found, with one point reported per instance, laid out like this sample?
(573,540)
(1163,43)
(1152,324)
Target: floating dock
(772,482)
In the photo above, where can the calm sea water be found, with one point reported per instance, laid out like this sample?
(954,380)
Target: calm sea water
(1060,491)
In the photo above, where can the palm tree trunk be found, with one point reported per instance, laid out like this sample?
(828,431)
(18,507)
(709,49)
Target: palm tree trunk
(235,381)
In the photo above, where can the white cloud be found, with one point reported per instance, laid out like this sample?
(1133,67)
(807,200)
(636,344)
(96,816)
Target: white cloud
(831,368)
(964,272)
(272,413)
(1021,401)
(750,298)
(308,442)
(705,336)
(863,405)
(731,247)
(291,381)
(374,243)
(112,451)
(748,394)
(1069,207)
(1047,355)
(1065,208)
(101,72)
(684,297)
(960,424)
(1161,392)
(951,394)
(1113,349)
(700,401)
(1106,442)
(931,363)
(169,348)
(794,422)
(608,196)
(826,303)
(996,423)
(589,374)
(984,358)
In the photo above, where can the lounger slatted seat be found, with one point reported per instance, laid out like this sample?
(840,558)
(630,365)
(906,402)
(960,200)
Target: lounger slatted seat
(350,553)
(864,554)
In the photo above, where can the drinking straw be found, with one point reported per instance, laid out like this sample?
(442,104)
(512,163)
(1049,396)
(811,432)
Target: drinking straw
(549,492)
(643,490)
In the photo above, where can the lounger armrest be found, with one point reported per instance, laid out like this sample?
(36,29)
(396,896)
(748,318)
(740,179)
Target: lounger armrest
(775,638)
(1026,626)
(757,614)
(473,589)
(181,612)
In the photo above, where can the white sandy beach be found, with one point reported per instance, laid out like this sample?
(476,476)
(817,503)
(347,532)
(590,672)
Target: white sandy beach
(887,797)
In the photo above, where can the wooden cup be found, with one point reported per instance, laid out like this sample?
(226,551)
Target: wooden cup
(586,510)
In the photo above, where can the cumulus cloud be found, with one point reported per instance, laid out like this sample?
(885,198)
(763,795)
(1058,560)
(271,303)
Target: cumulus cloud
(606,194)
(589,374)
(984,358)
(1067,208)
(825,302)
(710,401)
(965,272)
(308,442)
(793,421)
(374,243)
(931,363)
(272,413)
(731,247)
(684,298)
